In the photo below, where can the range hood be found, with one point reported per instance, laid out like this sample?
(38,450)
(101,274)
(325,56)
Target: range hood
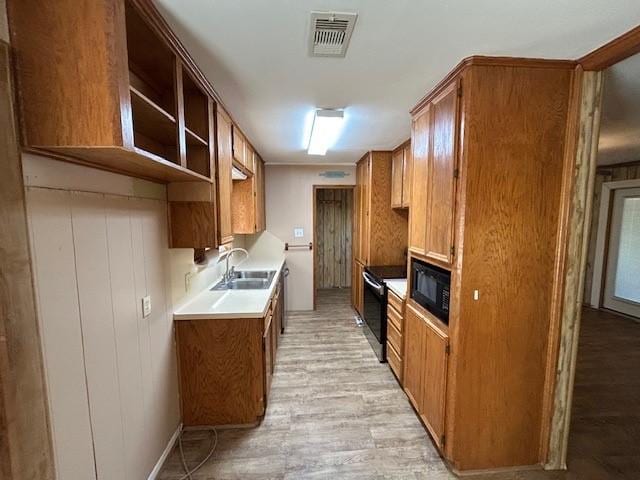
(237,174)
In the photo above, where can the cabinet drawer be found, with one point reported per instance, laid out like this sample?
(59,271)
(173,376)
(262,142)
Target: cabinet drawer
(394,317)
(396,302)
(394,337)
(395,362)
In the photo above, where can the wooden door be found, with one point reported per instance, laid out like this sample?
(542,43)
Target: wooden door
(334,210)
(406,175)
(397,177)
(441,174)
(434,380)
(420,146)
(414,339)
(225,160)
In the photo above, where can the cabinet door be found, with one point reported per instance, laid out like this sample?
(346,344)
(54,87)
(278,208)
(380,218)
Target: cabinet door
(434,381)
(357,287)
(225,160)
(238,146)
(250,159)
(267,346)
(364,210)
(261,223)
(441,180)
(414,340)
(420,143)
(406,175)
(397,173)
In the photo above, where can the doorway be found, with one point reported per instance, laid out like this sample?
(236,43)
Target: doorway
(333,234)
(622,278)
(603,439)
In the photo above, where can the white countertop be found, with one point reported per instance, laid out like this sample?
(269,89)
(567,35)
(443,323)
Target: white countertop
(398,286)
(233,303)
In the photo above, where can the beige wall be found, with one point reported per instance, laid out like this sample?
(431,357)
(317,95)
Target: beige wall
(99,244)
(289,204)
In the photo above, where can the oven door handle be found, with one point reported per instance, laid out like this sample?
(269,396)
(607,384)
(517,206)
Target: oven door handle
(373,284)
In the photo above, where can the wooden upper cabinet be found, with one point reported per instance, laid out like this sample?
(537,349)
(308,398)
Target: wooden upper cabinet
(239,147)
(441,173)
(103,84)
(261,220)
(397,177)
(401,176)
(381,232)
(225,160)
(248,202)
(406,175)
(420,145)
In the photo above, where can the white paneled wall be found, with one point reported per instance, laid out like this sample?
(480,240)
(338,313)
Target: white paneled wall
(111,374)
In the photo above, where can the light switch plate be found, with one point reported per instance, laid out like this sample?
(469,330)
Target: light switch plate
(298,232)
(146,306)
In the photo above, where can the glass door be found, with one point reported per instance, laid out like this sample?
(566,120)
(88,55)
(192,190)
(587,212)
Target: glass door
(622,282)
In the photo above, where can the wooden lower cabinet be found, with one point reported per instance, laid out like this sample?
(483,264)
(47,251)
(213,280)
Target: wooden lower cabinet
(425,370)
(357,287)
(226,366)
(395,334)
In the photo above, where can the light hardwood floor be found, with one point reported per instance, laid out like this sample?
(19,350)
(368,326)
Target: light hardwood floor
(336,413)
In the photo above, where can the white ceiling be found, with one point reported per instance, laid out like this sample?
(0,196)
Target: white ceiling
(619,140)
(254,52)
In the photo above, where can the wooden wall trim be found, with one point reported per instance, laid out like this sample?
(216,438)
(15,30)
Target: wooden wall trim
(479,60)
(580,167)
(611,53)
(26,451)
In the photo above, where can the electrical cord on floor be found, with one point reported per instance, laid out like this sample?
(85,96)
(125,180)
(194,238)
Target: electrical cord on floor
(214,444)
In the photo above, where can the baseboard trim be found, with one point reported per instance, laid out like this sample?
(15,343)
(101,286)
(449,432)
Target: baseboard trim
(172,441)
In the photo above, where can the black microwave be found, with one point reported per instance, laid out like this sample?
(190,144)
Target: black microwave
(430,288)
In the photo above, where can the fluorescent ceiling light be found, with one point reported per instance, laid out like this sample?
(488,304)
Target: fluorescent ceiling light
(325,130)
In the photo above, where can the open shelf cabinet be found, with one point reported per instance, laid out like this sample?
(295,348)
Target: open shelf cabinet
(117,92)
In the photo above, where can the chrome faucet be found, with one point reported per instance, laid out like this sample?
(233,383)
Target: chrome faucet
(227,255)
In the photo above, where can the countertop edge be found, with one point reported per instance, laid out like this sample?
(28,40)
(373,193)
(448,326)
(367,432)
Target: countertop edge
(177,317)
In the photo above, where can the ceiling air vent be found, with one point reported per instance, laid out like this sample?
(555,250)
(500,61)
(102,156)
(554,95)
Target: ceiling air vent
(330,33)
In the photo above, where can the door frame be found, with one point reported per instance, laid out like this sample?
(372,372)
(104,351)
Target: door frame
(315,240)
(26,448)
(576,210)
(602,237)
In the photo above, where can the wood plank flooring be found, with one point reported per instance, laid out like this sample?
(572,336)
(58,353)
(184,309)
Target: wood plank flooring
(336,413)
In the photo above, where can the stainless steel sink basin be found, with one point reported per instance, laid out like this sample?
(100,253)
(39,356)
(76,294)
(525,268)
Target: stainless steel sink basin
(247,280)
(259,274)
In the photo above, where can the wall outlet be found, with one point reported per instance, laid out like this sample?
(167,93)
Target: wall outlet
(146,306)
(298,232)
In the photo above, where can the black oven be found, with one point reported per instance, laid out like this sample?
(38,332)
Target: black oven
(374,304)
(430,287)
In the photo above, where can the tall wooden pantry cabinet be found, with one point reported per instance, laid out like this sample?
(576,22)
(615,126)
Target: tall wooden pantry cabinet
(488,166)
(380,232)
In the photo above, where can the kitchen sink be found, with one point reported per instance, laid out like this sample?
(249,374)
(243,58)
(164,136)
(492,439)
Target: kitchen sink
(247,280)
(257,274)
